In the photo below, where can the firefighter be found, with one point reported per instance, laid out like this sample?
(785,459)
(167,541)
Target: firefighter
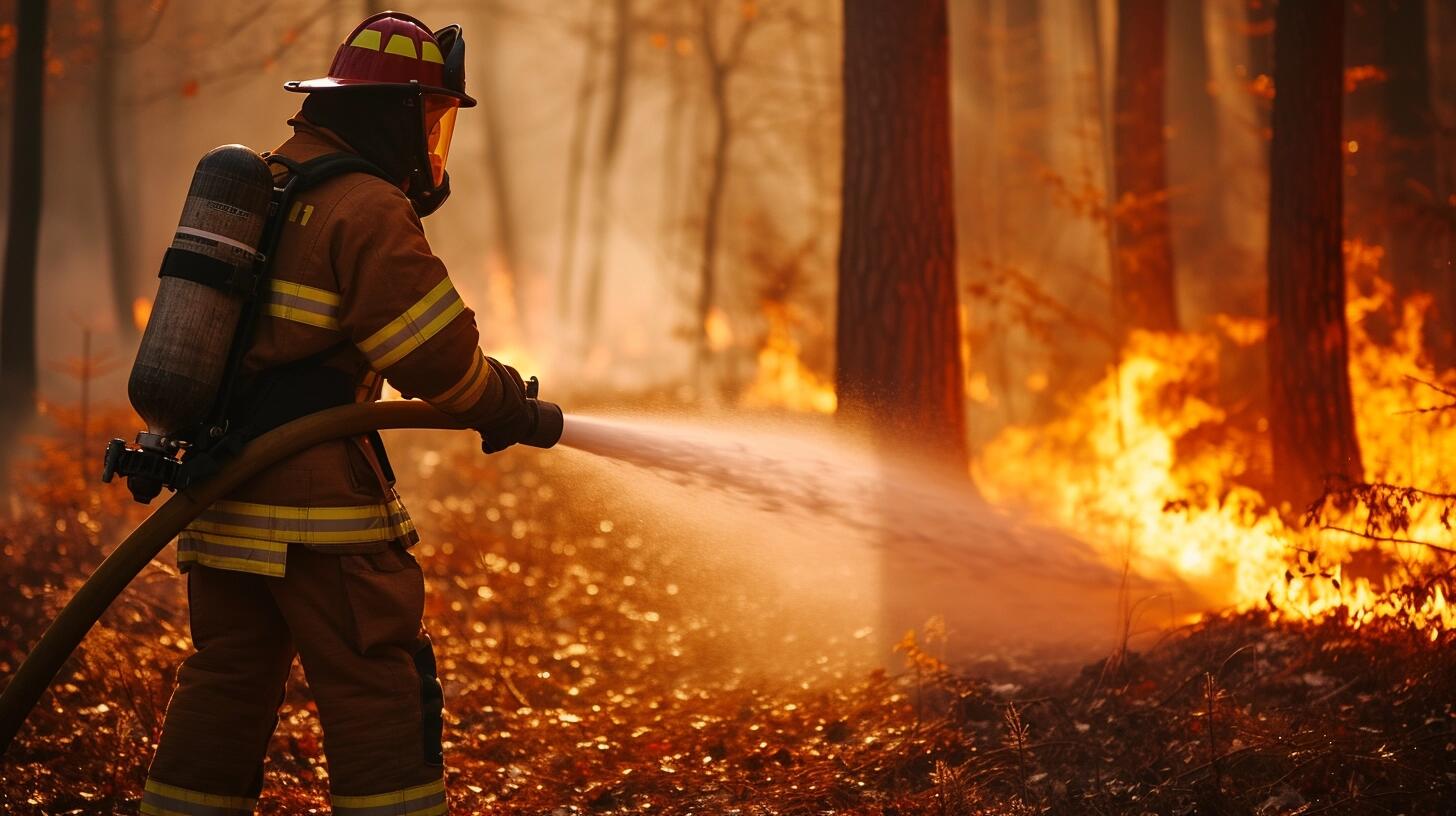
(312,559)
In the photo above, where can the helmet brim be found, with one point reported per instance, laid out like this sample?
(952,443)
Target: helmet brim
(325,84)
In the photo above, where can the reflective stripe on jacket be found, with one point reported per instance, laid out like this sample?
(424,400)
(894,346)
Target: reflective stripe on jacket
(352,273)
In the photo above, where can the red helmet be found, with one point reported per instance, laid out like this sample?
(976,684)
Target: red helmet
(392,49)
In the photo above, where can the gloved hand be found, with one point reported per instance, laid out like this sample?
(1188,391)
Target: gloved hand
(516,421)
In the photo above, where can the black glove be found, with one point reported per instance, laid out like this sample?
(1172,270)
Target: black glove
(516,421)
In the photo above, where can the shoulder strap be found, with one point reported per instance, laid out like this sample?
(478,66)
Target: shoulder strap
(319,169)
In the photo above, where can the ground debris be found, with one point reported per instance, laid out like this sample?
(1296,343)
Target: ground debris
(588,670)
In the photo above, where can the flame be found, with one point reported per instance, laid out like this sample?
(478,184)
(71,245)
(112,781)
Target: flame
(141,312)
(718,329)
(783,380)
(1123,470)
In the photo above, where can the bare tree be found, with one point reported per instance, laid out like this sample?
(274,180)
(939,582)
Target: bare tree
(1418,261)
(18,364)
(110,168)
(1143,281)
(721,59)
(497,161)
(1195,165)
(1311,421)
(576,162)
(613,117)
(898,365)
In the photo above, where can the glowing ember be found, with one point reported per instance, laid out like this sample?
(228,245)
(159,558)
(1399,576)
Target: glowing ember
(141,312)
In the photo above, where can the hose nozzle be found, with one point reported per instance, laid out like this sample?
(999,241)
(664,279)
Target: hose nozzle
(549,421)
(549,424)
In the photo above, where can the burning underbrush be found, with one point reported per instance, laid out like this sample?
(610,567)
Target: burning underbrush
(1162,467)
(593,664)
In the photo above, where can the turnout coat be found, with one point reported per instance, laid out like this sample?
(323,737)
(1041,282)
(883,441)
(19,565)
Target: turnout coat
(355,296)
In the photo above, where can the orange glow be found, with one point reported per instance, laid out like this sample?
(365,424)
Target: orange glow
(141,312)
(718,330)
(1113,472)
(783,380)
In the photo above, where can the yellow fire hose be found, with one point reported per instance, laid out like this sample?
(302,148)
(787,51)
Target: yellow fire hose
(147,540)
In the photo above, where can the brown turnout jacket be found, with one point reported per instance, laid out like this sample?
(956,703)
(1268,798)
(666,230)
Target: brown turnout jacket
(352,273)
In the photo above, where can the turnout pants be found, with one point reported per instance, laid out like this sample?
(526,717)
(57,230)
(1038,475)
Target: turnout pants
(354,622)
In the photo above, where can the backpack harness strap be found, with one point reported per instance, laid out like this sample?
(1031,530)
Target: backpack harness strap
(279,395)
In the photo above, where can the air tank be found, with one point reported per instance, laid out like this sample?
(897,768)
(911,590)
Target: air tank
(184,350)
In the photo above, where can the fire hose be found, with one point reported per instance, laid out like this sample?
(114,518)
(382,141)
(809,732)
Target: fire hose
(149,538)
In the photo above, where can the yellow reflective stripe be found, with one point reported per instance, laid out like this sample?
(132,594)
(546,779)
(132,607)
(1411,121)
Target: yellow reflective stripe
(429,52)
(304,291)
(197,535)
(405,333)
(228,524)
(398,797)
(401,46)
(149,809)
(303,304)
(437,809)
(198,798)
(463,394)
(298,315)
(226,562)
(368,38)
(283,511)
(352,536)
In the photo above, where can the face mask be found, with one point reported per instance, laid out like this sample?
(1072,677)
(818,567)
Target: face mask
(428,201)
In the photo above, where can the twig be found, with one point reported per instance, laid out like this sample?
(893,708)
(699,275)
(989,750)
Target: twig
(1388,539)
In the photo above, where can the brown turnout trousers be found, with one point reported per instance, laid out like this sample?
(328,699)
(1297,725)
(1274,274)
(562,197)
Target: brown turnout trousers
(354,622)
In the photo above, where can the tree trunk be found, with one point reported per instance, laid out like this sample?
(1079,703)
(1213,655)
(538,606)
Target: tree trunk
(1259,20)
(1311,423)
(720,61)
(1416,257)
(612,122)
(18,365)
(898,365)
(1143,282)
(498,164)
(712,214)
(576,166)
(1195,167)
(110,167)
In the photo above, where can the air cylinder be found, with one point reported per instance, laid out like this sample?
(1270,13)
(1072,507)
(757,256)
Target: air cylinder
(206,277)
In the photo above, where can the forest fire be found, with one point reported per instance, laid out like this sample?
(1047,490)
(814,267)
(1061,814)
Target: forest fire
(950,408)
(1119,469)
(782,380)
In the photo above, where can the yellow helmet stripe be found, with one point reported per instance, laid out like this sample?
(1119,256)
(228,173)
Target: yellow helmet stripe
(402,46)
(368,38)
(429,52)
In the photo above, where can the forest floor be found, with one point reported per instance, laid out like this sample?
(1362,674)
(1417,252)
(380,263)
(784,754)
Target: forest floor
(584,671)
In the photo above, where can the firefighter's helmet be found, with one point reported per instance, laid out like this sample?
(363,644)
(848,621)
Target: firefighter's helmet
(392,50)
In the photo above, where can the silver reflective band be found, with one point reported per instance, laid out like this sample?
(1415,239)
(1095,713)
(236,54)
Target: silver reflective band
(221,239)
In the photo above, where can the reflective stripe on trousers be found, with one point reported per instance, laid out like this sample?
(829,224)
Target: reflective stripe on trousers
(422,800)
(161,799)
